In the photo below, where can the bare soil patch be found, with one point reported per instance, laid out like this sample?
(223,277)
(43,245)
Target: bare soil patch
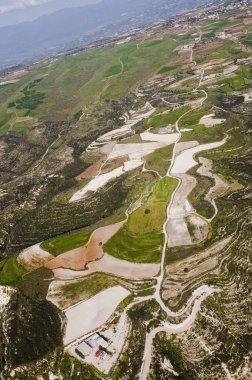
(76,259)
(34,257)
(92,171)
(111,265)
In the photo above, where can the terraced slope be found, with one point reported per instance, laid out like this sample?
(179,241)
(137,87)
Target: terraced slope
(147,196)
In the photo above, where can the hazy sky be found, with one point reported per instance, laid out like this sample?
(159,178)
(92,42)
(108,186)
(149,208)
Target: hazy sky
(12,5)
(16,11)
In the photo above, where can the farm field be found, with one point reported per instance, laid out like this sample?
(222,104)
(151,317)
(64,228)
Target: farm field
(125,196)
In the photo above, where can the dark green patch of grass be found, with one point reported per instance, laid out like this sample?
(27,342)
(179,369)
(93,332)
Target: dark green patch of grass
(30,98)
(11,271)
(240,82)
(199,132)
(145,248)
(247,40)
(113,70)
(63,243)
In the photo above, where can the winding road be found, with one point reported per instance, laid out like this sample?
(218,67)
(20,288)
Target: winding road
(199,295)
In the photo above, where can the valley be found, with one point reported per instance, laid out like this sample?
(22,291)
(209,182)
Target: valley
(125,198)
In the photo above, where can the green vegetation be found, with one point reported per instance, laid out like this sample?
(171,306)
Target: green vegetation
(160,160)
(169,69)
(11,271)
(79,353)
(247,40)
(199,132)
(63,243)
(81,371)
(138,249)
(113,70)
(140,240)
(86,78)
(170,348)
(197,196)
(29,99)
(240,82)
(74,291)
(163,120)
(228,50)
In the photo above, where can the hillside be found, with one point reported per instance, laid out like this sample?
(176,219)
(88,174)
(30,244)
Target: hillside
(76,27)
(125,198)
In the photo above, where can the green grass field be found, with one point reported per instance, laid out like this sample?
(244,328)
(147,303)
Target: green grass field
(163,120)
(160,160)
(169,69)
(240,82)
(145,248)
(63,243)
(199,132)
(10,271)
(88,77)
(141,239)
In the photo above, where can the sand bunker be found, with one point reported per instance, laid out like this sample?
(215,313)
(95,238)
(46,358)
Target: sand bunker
(76,259)
(211,120)
(200,228)
(34,257)
(134,151)
(93,313)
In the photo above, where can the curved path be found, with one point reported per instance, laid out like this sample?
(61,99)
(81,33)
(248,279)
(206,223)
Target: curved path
(199,294)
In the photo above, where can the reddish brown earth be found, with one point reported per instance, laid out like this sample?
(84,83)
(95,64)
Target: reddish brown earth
(91,171)
(247,21)
(210,46)
(15,75)
(214,62)
(114,164)
(77,259)
(235,28)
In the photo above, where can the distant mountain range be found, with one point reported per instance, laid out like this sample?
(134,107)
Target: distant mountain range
(74,27)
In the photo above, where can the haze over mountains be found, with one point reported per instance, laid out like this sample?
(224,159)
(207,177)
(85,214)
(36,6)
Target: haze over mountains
(16,11)
(73,27)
